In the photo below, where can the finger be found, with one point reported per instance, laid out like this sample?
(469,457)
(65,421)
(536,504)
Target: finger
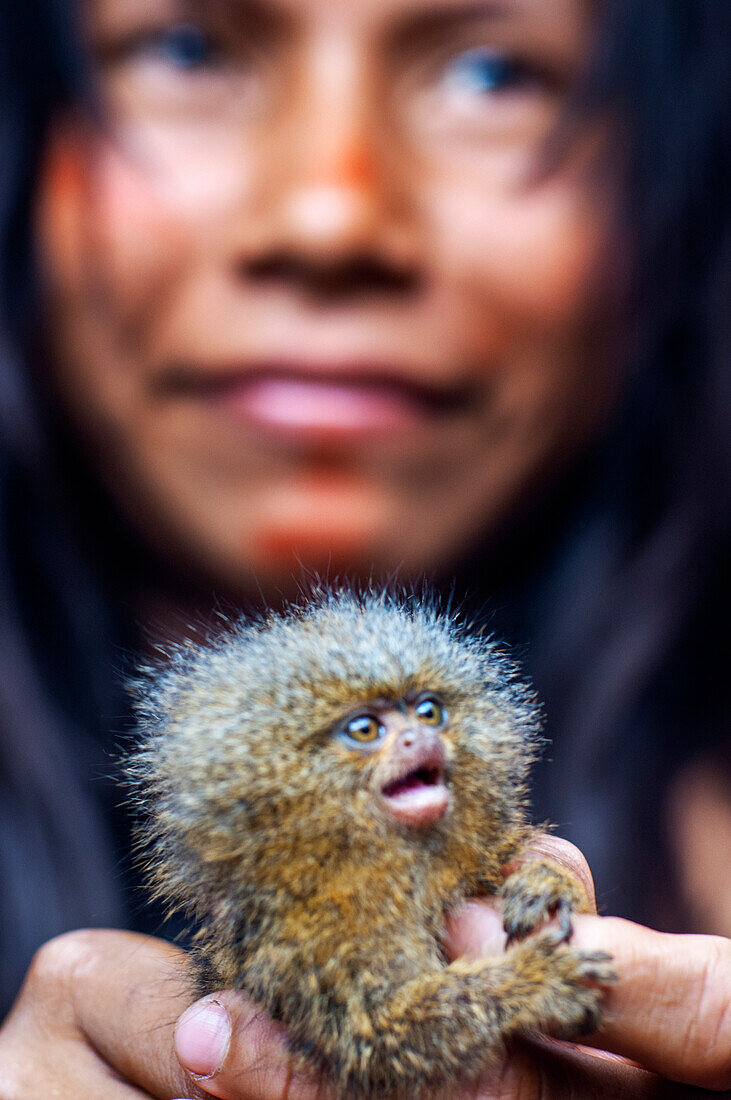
(103,1006)
(476,928)
(671,1008)
(139,1028)
(233,1050)
(33,1070)
(560,1071)
(129,992)
(36,1063)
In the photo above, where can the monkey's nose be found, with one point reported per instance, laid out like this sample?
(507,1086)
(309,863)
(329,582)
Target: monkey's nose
(418,739)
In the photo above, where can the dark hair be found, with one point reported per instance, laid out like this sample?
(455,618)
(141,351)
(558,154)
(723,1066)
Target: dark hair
(614,595)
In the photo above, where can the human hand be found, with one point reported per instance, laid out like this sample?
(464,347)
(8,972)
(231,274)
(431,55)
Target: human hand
(96,1018)
(670,1011)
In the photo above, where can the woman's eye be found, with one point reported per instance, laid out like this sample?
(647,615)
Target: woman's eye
(480,71)
(430,711)
(363,728)
(183,47)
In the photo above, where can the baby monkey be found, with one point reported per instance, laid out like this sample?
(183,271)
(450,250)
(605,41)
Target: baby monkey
(323,787)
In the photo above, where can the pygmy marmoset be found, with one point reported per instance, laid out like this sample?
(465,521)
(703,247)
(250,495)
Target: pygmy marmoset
(323,786)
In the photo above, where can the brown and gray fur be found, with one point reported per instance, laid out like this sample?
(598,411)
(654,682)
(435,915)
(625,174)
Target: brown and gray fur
(311,900)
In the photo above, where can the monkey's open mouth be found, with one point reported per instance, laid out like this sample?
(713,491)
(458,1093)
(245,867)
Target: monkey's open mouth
(420,797)
(419,777)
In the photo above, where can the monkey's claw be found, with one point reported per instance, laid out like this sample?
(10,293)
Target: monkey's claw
(520,924)
(533,894)
(585,1015)
(595,967)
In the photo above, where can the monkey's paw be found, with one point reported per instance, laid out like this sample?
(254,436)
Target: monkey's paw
(536,892)
(564,1003)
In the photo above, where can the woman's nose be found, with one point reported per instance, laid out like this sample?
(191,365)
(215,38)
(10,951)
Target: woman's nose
(333,211)
(339,193)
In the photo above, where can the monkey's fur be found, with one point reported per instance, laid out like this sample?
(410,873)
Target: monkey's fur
(313,900)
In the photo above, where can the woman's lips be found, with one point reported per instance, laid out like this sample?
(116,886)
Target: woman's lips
(303,407)
(311,403)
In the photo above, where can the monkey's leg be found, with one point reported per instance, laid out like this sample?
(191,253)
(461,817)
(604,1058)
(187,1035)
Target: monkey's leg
(539,890)
(451,1024)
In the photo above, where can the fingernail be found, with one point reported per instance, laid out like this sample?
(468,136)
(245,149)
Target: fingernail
(202,1038)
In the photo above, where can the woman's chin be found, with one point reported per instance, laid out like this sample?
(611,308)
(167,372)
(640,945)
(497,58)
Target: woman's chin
(323,522)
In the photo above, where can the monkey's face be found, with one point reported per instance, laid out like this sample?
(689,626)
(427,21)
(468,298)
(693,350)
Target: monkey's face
(410,755)
(350,725)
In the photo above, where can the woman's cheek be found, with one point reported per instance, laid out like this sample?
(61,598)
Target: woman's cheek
(106,235)
(528,252)
(59,207)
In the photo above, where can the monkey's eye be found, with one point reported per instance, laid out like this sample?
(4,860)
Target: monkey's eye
(363,728)
(430,710)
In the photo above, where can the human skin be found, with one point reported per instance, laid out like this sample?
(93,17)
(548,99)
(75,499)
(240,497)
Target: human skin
(308,306)
(97,1018)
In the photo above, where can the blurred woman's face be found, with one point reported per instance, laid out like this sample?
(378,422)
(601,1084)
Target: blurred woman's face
(307,303)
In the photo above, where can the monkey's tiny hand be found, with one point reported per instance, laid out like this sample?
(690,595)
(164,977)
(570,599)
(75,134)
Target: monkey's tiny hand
(537,891)
(557,976)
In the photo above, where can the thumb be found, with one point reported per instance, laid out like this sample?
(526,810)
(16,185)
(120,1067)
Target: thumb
(234,1051)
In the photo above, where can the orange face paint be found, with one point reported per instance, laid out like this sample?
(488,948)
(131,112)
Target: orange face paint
(321,519)
(313,549)
(355,168)
(63,171)
(62,199)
